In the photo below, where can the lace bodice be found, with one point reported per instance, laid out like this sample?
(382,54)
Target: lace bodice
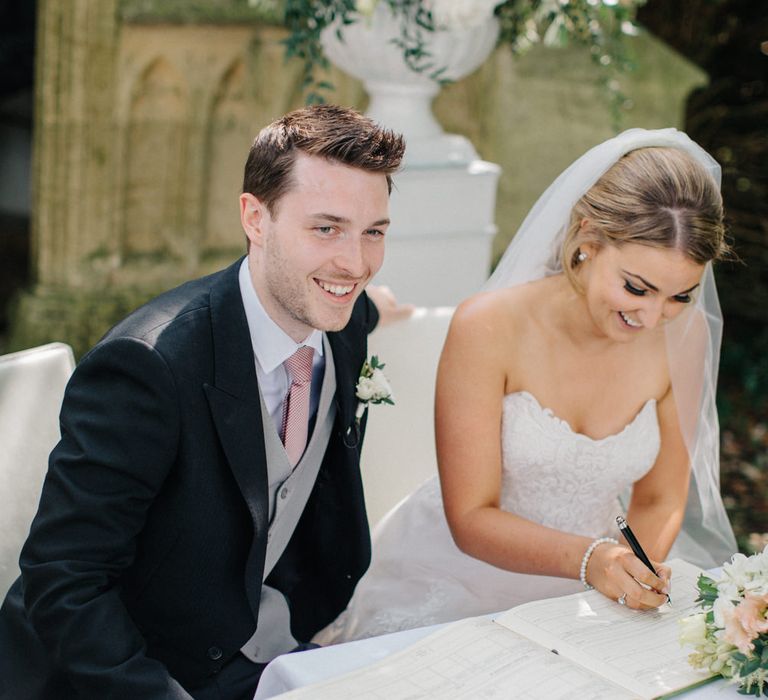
(564,479)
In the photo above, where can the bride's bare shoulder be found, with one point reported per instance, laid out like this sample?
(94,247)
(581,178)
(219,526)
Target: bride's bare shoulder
(497,315)
(501,310)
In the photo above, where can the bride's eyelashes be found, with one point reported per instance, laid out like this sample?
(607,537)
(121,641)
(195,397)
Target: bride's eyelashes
(681,298)
(634,290)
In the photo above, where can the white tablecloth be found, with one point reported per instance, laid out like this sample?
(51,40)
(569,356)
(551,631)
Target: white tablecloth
(303,668)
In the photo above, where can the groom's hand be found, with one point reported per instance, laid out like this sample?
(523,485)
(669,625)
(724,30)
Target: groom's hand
(387,305)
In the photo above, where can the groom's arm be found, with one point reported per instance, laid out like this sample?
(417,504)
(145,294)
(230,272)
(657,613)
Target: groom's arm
(119,425)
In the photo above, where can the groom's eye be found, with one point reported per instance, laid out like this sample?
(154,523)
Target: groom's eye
(634,290)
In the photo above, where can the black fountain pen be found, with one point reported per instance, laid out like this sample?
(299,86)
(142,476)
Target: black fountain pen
(629,536)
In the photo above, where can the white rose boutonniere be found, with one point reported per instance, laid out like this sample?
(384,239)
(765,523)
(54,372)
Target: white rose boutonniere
(372,386)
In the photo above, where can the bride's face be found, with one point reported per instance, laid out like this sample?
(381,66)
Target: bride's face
(632,288)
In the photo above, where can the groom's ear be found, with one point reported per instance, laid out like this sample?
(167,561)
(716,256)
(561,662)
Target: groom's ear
(253,216)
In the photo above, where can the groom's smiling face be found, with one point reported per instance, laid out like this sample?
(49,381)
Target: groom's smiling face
(312,256)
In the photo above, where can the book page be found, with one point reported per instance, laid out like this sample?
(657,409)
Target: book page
(473,659)
(638,650)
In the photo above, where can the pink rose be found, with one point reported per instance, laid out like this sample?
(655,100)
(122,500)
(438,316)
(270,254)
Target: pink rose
(745,621)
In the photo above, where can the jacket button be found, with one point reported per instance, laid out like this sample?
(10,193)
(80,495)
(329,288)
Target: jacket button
(214,653)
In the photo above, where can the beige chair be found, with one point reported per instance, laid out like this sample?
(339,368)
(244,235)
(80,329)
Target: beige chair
(31,389)
(399,450)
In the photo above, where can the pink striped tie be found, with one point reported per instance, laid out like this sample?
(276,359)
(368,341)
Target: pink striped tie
(296,406)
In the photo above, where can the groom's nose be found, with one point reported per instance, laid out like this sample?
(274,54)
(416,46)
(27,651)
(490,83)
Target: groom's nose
(356,258)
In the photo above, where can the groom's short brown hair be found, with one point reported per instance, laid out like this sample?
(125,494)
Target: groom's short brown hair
(328,131)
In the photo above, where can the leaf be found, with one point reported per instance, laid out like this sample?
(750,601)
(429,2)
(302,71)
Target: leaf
(750,667)
(314,98)
(707,591)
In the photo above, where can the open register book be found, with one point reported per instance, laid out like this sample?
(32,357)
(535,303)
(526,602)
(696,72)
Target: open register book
(578,646)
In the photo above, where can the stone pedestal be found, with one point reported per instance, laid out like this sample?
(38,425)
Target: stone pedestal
(439,246)
(369,49)
(442,208)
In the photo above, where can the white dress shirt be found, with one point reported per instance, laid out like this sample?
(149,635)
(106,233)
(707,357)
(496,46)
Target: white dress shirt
(271,347)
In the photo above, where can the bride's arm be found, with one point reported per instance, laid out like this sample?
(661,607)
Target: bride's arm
(471,383)
(658,499)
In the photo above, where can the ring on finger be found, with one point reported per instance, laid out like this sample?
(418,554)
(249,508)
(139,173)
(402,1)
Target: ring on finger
(622,599)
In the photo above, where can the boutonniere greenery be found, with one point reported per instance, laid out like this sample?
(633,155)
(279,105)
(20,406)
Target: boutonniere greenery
(372,386)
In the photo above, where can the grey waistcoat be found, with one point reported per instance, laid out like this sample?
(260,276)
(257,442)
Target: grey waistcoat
(289,489)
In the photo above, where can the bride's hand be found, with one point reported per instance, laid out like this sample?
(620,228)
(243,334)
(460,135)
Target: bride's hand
(615,571)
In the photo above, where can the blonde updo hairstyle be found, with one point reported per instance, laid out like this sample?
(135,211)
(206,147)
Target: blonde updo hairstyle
(656,196)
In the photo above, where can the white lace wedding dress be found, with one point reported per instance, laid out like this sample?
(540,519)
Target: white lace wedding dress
(551,475)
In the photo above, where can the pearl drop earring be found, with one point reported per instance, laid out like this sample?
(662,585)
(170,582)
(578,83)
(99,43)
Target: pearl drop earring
(581,257)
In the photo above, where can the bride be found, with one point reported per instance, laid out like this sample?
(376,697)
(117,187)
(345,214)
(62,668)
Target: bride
(583,375)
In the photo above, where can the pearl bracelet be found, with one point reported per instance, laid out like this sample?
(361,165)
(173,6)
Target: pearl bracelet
(585,559)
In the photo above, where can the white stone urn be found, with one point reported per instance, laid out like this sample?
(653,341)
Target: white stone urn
(401,98)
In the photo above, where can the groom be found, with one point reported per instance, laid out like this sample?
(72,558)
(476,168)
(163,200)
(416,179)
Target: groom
(203,511)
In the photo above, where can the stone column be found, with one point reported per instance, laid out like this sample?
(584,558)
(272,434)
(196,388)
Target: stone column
(74,193)
(73,196)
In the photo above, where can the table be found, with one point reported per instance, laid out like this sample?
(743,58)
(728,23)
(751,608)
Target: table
(292,671)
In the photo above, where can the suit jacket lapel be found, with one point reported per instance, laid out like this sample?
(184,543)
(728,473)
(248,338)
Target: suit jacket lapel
(346,379)
(234,403)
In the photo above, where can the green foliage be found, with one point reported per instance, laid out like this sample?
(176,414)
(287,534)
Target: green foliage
(743,369)
(743,411)
(597,25)
(707,592)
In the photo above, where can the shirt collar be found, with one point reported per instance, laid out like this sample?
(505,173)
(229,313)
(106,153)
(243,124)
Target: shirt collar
(271,344)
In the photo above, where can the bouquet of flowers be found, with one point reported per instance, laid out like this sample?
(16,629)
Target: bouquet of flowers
(730,634)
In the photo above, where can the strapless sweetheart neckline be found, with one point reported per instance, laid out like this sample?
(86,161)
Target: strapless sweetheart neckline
(566,426)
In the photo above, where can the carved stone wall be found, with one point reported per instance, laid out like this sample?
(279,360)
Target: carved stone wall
(142,129)
(141,136)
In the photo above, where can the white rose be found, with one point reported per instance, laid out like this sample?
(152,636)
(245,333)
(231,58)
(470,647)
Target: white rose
(718,608)
(366,389)
(381,384)
(738,569)
(693,630)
